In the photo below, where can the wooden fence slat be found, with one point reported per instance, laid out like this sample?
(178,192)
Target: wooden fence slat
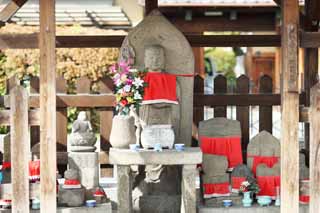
(243,87)
(35,130)
(62,123)
(314,150)
(198,113)
(105,86)
(220,87)
(20,149)
(265,112)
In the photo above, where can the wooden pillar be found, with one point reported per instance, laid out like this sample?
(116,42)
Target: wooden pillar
(199,68)
(314,150)
(150,5)
(48,159)
(20,149)
(290,108)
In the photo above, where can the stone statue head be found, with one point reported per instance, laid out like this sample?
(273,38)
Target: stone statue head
(154,58)
(82,116)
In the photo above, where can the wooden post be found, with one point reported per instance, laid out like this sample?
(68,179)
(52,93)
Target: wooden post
(314,150)
(150,5)
(48,158)
(20,149)
(290,108)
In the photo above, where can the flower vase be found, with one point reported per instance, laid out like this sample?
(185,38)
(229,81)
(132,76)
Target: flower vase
(247,200)
(122,131)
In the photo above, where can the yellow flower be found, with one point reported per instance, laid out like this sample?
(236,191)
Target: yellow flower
(130,100)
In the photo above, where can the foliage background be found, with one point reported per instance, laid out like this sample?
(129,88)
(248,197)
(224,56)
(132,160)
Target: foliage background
(72,63)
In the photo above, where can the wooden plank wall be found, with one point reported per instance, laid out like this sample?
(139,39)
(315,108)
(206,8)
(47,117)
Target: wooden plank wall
(242,108)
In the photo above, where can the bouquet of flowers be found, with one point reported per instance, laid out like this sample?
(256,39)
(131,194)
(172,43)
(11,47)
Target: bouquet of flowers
(129,86)
(247,186)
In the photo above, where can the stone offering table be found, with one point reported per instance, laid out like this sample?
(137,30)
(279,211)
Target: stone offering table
(124,158)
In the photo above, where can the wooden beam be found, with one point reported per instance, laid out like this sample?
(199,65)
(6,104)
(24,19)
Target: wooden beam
(20,149)
(312,8)
(244,22)
(48,158)
(150,5)
(310,39)
(290,108)
(215,100)
(29,41)
(314,163)
(10,9)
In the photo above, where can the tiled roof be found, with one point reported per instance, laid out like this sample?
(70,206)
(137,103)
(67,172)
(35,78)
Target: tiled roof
(229,3)
(99,13)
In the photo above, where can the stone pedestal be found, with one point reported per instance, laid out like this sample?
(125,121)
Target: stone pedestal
(71,197)
(87,163)
(188,159)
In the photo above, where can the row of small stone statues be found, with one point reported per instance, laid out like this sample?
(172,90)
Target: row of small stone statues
(220,141)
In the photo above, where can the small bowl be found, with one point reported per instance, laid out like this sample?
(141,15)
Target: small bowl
(264,200)
(227,203)
(91,203)
(179,146)
(134,147)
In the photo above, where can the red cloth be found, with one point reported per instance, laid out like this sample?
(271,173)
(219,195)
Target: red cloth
(229,147)
(236,183)
(304,199)
(267,160)
(268,185)
(71,182)
(6,165)
(216,189)
(161,88)
(34,169)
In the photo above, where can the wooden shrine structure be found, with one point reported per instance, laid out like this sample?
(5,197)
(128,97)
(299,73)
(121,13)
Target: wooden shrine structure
(299,29)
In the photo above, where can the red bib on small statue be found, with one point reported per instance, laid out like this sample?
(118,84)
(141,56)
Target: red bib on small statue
(161,88)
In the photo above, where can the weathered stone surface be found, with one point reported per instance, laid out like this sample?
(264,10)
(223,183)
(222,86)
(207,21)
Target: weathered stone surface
(124,178)
(87,164)
(157,203)
(189,174)
(242,171)
(71,197)
(155,29)
(214,165)
(218,201)
(219,127)
(123,131)
(264,170)
(303,169)
(6,148)
(71,174)
(263,144)
(148,157)
(82,134)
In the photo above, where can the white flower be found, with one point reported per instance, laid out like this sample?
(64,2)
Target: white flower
(118,82)
(245,183)
(127,88)
(138,82)
(137,96)
(133,70)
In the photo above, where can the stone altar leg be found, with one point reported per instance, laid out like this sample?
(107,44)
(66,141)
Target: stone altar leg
(188,204)
(124,189)
(87,163)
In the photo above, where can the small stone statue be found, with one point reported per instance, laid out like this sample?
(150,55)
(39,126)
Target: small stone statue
(82,138)
(71,193)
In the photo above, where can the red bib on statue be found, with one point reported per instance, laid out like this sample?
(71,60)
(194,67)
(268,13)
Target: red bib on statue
(161,88)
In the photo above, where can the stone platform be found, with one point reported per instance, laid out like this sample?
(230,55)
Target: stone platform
(254,209)
(103,208)
(188,159)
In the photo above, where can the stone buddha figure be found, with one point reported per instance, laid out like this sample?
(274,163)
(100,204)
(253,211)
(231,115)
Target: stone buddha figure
(82,137)
(155,180)
(159,113)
